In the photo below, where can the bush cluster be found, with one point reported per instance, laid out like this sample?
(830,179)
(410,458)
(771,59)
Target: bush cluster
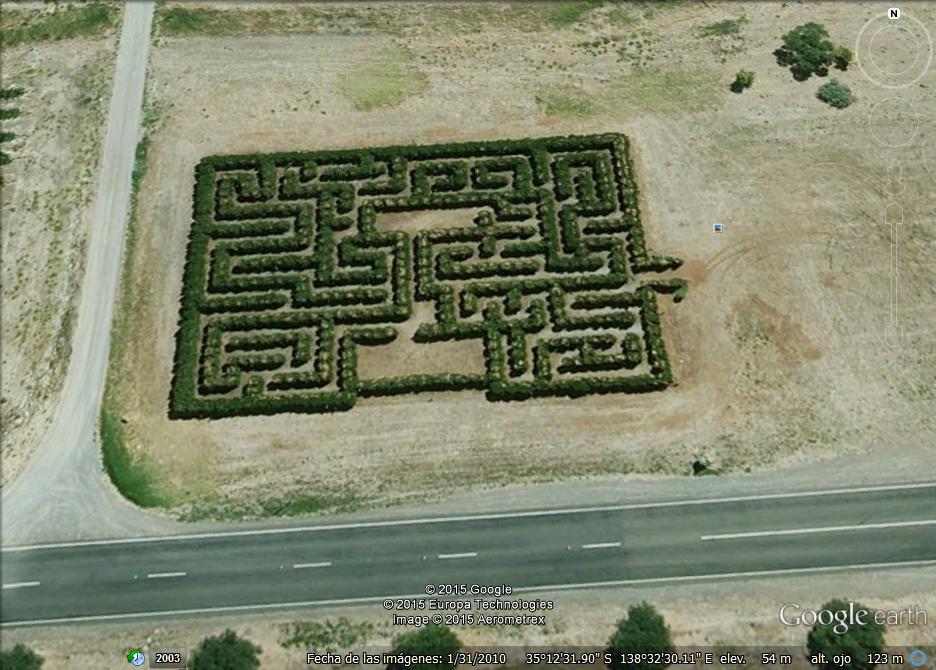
(835,94)
(807,50)
(287,270)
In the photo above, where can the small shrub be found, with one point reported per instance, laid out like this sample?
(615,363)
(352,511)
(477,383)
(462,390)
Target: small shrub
(744,79)
(835,94)
(843,57)
(722,28)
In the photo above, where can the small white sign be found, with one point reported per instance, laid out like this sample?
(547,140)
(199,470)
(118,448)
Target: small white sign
(893,13)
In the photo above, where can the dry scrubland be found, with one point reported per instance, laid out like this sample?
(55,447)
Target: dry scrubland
(778,351)
(63,57)
(701,615)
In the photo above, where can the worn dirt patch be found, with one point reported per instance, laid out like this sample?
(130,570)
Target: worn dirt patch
(777,351)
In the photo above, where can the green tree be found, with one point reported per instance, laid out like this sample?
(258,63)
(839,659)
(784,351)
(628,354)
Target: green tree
(744,79)
(432,639)
(857,641)
(20,657)
(642,630)
(807,51)
(835,94)
(226,651)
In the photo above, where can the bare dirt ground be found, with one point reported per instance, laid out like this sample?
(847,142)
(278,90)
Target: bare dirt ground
(46,202)
(778,350)
(716,615)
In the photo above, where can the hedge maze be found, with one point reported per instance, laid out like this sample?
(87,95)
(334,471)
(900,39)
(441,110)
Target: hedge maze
(290,272)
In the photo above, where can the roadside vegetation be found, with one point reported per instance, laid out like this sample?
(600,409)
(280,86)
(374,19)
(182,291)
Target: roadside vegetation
(227,651)
(327,636)
(64,22)
(133,477)
(181,20)
(433,639)
(20,657)
(860,641)
(643,630)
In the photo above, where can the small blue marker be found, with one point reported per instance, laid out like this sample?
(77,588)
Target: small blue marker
(717,228)
(917,658)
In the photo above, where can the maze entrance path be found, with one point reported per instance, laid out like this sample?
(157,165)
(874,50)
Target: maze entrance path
(304,269)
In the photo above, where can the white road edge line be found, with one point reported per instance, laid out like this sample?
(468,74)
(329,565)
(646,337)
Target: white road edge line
(601,545)
(165,575)
(321,564)
(466,554)
(825,529)
(20,585)
(475,517)
(528,589)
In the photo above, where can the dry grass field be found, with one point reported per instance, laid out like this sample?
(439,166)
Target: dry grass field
(63,59)
(778,351)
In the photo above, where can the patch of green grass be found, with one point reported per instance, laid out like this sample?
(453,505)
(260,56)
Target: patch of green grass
(298,19)
(722,28)
(651,7)
(297,504)
(564,14)
(327,636)
(388,80)
(6,114)
(139,165)
(181,21)
(134,479)
(668,91)
(85,20)
(621,17)
(567,104)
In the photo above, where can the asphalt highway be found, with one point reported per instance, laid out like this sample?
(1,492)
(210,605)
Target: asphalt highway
(864,528)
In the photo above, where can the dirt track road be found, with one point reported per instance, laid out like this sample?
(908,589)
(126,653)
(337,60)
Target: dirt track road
(61,492)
